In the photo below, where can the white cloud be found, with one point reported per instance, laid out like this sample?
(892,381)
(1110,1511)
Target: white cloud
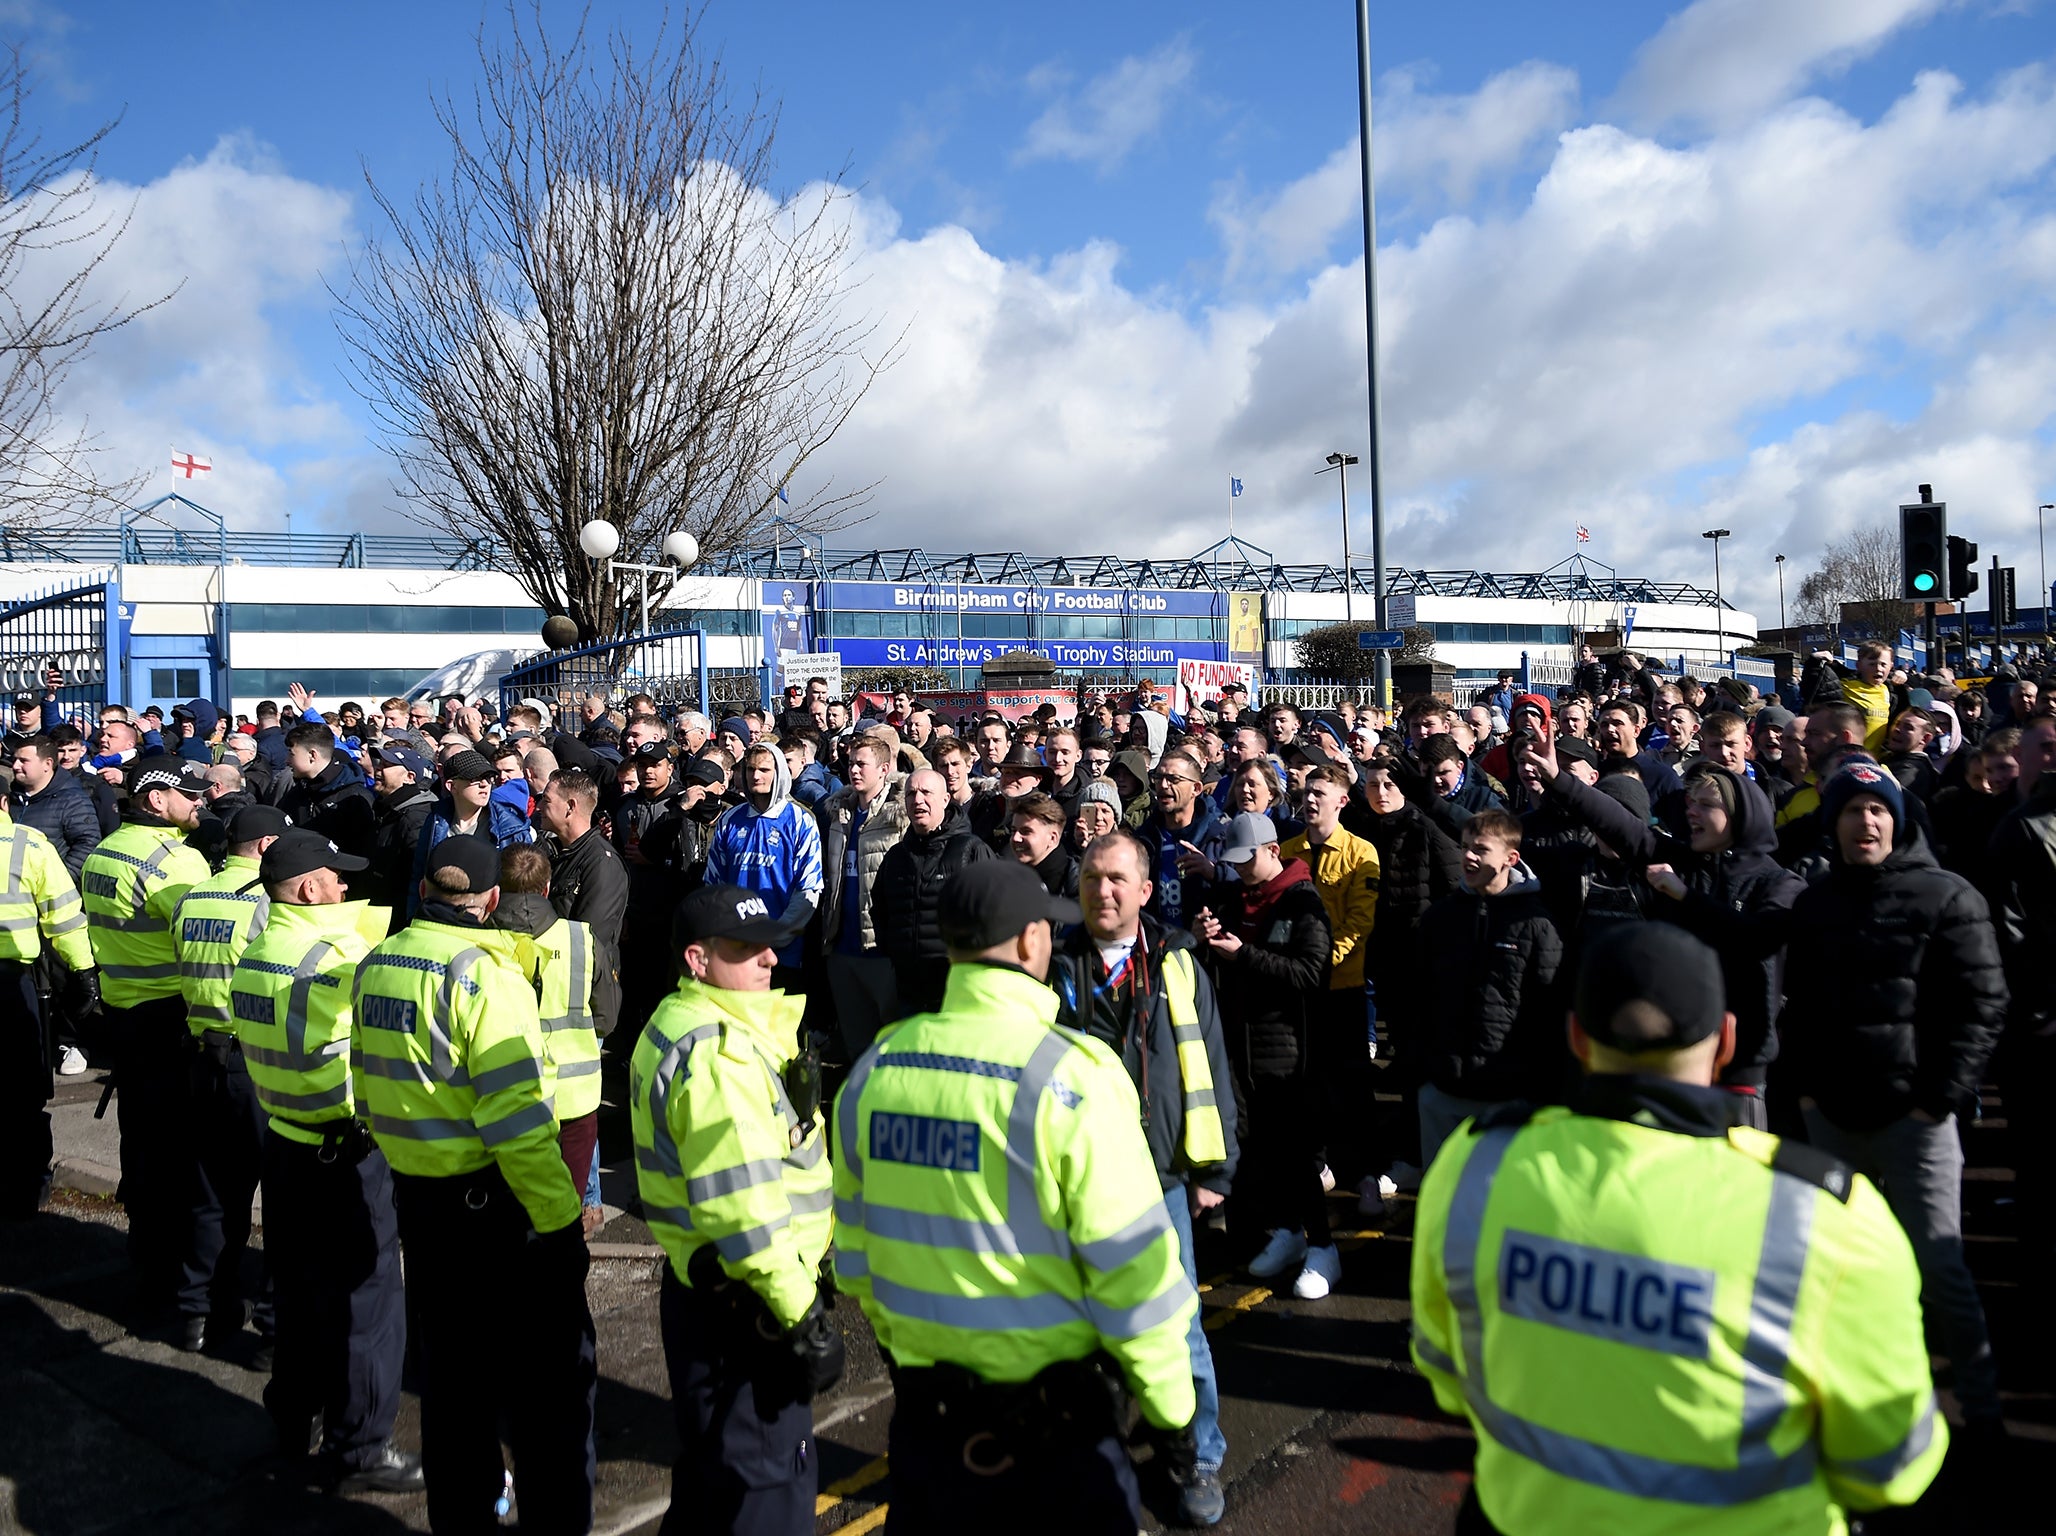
(1439,146)
(1101,123)
(1605,353)
(1721,61)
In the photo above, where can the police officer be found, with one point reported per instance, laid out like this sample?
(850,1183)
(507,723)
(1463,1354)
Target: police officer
(131,886)
(999,1217)
(447,1063)
(330,1236)
(731,1164)
(38,904)
(1653,1315)
(214,924)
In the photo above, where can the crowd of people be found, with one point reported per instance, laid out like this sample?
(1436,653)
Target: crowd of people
(1281,915)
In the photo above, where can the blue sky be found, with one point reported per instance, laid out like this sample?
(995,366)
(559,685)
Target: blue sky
(1140,190)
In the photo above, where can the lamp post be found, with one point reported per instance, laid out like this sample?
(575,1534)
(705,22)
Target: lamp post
(599,539)
(1781,587)
(1370,209)
(1340,462)
(1720,612)
(2041,547)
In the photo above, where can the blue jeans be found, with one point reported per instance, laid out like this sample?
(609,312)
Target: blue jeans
(1206,1418)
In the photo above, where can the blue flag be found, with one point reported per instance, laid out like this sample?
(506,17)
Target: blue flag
(1234,486)
(781,494)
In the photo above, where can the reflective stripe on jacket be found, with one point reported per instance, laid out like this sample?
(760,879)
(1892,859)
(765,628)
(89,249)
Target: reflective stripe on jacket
(39,901)
(1651,1329)
(996,1206)
(1204,1142)
(446,1053)
(721,1156)
(131,886)
(566,961)
(213,925)
(291,1000)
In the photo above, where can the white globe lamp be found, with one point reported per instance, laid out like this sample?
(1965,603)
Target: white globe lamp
(681,549)
(599,539)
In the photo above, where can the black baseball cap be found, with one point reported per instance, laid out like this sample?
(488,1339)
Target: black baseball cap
(650,752)
(989,902)
(300,852)
(473,857)
(703,770)
(1575,749)
(163,771)
(255,821)
(724,912)
(1650,987)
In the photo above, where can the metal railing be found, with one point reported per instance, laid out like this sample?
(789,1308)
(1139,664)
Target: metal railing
(65,628)
(669,665)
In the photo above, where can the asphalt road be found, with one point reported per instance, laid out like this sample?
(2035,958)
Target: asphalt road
(1329,1429)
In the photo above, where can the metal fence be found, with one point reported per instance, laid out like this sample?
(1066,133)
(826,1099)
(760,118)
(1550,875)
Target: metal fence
(67,629)
(669,665)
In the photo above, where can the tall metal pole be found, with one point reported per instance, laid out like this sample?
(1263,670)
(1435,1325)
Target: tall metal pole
(1363,97)
(1348,571)
(1720,610)
(1781,592)
(2042,547)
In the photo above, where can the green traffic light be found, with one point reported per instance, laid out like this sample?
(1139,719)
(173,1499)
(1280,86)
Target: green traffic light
(1924,581)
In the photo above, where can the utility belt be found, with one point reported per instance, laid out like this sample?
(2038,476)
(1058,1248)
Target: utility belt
(1000,1425)
(217,1045)
(347,1140)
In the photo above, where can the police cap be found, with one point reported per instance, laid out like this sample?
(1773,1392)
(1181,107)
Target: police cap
(724,912)
(300,852)
(1650,987)
(987,903)
(163,771)
(255,821)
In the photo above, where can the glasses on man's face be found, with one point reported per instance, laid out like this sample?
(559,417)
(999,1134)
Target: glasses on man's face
(1171,778)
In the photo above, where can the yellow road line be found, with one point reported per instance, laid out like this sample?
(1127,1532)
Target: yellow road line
(866,1523)
(1256,1296)
(856,1482)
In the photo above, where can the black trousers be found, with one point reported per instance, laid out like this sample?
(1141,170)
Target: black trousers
(951,1477)
(1345,1082)
(746,1461)
(332,1237)
(25,1088)
(504,1337)
(152,1053)
(1279,1180)
(227,1131)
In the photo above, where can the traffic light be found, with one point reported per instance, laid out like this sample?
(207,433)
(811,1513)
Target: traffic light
(2003,610)
(1923,529)
(1962,568)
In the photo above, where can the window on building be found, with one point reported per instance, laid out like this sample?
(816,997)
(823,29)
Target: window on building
(174,682)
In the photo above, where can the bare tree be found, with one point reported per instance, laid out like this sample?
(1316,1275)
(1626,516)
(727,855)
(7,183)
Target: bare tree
(54,237)
(605,313)
(1857,582)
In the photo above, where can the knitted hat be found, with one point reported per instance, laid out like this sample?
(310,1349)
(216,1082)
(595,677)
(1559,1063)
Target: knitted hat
(1102,792)
(1628,790)
(1862,777)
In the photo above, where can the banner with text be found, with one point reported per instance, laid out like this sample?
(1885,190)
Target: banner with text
(1201,682)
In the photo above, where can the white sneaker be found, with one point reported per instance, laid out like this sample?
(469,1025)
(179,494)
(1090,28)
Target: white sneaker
(1386,1188)
(1285,1252)
(1323,1272)
(1327,1178)
(1370,1197)
(1404,1176)
(74,1063)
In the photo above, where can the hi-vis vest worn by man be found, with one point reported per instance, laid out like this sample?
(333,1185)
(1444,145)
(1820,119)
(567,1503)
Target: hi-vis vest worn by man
(131,885)
(1658,1322)
(964,1223)
(39,901)
(447,1057)
(214,924)
(721,1156)
(291,1001)
(561,963)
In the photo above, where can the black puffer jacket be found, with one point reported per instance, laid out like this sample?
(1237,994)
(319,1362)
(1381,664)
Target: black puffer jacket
(336,803)
(63,813)
(1493,1033)
(903,905)
(2021,867)
(589,883)
(1894,995)
(1418,865)
(395,837)
(1735,900)
(1268,987)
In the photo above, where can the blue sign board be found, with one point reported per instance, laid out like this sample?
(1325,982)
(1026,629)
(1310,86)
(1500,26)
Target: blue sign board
(1380,640)
(1070,655)
(1057,602)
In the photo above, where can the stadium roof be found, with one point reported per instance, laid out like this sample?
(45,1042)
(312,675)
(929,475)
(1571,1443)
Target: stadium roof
(1233,564)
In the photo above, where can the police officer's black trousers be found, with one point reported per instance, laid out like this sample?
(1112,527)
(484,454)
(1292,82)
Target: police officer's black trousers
(227,1127)
(152,1053)
(958,1467)
(25,1088)
(746,1460)
(504,1337)
(332,1237)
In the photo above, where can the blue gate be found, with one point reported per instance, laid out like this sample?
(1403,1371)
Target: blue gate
(77,630)
(670,665)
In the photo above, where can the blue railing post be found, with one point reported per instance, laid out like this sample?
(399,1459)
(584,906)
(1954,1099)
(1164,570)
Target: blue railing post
(1526,685)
